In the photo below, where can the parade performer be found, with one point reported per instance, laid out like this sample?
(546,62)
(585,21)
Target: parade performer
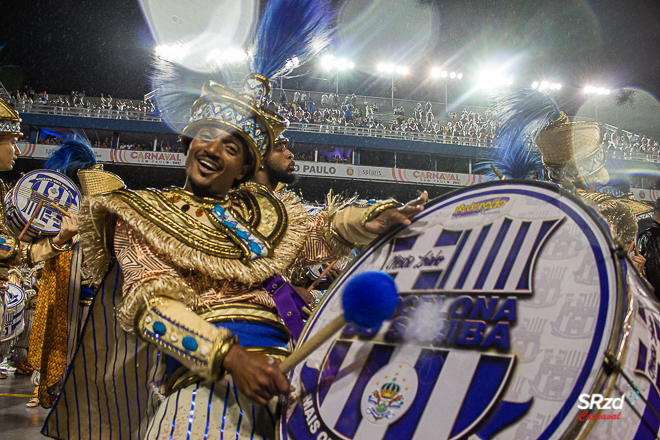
(57,318)
(186,267)
(183,340)
(570,151)
(10,132)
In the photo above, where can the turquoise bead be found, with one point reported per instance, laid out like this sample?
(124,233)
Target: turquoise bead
(254,247)
(242,234)
(159,328)
(189,343)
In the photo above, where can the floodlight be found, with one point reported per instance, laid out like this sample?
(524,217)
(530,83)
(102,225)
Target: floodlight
(444,74)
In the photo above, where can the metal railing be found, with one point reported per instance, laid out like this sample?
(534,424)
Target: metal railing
(315,128)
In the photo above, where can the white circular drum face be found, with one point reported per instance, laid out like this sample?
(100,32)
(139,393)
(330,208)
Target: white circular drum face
(508,300)
(52,188)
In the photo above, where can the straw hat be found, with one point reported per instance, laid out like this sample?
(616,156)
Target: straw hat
(573,151)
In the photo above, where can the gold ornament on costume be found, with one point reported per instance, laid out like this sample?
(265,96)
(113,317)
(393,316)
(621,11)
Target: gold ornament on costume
(10,122)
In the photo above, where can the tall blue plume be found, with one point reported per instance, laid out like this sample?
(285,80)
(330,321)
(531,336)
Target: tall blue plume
(177,87)
(301,28)
(522,114)
(73,155)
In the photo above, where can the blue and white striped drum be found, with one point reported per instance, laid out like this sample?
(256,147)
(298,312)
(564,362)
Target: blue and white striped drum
(58,193)
(511,293)
(15,300)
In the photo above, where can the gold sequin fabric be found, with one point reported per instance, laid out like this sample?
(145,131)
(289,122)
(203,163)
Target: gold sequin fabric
(48,341)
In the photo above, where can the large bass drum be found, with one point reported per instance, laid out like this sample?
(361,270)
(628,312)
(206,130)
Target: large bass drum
(58,193)
(14,324)
(511,295)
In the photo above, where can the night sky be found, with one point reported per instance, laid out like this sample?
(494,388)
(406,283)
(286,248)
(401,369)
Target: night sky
(105,46)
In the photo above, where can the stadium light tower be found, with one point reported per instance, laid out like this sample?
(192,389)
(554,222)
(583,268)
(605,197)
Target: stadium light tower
(591,90)
(392,70)
(331,63)
(446,77)
(545,86)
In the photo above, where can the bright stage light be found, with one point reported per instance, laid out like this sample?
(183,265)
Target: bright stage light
(459,76)
(444,74)
(596,90)
(402,70)
(535,84)
(230,55)
(327,62)
(435,72)
(330,62)
(491,79)
(175,52)
(452,75)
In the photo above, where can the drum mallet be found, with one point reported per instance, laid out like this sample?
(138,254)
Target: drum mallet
(368,299)
(34,215)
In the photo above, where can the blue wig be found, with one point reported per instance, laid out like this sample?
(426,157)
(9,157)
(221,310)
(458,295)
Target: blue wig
(71,156)
(291,28)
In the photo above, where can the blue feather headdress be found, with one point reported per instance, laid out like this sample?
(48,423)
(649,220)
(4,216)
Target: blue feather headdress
(177,88)
(521,115)
(74,154)
(291,28)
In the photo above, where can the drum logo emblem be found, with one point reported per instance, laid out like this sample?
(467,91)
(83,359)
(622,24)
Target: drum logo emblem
(389,393)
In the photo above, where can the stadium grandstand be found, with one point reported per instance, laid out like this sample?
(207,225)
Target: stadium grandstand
(383,143)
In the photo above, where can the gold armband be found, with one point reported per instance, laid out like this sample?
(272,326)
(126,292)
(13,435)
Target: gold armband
(377,208)
(65,248)
(198,345)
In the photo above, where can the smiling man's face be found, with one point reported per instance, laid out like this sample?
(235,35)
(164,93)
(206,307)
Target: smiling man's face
(215,160)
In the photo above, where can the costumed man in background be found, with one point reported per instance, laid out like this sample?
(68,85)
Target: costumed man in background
(571,152)
(58,316)
(10,132)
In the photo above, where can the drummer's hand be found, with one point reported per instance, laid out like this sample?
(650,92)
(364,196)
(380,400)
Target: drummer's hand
(396,216)
(4,286)
(254,376)
(68,230)
(639,261)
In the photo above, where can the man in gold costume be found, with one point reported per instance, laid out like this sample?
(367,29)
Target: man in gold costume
(182,338)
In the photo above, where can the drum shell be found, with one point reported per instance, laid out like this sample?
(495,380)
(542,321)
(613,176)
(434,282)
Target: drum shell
(571,313)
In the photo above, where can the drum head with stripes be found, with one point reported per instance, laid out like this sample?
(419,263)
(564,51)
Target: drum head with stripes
(508,300)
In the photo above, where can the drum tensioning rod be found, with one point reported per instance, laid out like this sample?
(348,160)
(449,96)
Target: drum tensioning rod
(613,364)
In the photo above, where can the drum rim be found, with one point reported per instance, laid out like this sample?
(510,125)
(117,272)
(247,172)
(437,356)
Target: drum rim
(615,340)
(13,193)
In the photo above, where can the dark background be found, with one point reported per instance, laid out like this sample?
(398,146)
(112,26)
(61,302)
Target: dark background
(105,46)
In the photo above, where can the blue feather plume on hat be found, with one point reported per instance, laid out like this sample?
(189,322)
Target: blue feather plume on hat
(300,28)
(521,114)
(74,154)
(177,88)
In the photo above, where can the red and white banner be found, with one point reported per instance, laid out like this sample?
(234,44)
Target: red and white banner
(312,169)
(650,195)
(362,172)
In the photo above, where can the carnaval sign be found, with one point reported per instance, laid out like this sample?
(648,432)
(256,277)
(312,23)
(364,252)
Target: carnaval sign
(507,303)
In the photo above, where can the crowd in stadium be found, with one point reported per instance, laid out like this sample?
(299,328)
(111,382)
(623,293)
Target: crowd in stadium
(471,127)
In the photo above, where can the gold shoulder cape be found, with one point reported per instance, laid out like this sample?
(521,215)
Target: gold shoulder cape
(280,222)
